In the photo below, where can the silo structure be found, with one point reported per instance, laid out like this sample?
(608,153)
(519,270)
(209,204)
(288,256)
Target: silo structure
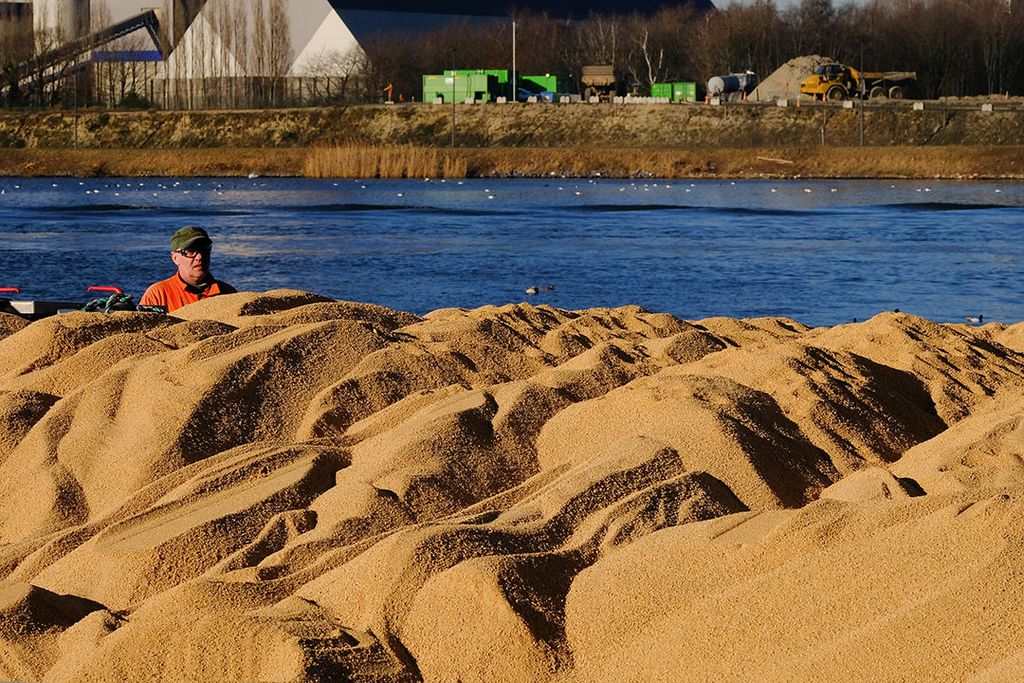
(60,20)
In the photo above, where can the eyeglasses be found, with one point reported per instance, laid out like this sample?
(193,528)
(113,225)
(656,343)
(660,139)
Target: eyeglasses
(191,254)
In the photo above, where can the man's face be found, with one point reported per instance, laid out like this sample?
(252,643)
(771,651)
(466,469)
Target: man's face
(193,264)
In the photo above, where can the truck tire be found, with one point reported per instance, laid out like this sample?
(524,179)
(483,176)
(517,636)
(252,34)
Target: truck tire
(835,93)
(876,92)
(896,92)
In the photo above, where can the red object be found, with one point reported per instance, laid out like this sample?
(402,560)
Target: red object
(9,290)
(113,290)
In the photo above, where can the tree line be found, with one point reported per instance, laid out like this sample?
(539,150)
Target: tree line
(957,48)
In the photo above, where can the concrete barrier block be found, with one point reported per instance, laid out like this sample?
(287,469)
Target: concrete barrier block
(532,99)
(468,100)
(987,106)
(594,99)
(438,100)
(918,106)
(847,104)
(501,99)
(618,100)
(781,103)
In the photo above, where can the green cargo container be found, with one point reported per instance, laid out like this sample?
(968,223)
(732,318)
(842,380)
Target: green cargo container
(675,92)
(684,92)
(662,90)
(547,82)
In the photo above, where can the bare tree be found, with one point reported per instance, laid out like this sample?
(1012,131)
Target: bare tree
(652,60)
(1000,29)
(279,56)
(333,73)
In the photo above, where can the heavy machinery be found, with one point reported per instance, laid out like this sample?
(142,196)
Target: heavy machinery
(839,82)
(599,81)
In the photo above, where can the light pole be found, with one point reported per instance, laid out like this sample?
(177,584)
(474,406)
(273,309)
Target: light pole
(75,86)
(515,93)
(862,94)
(453,97)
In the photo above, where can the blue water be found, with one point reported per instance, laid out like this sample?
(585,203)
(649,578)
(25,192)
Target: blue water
(822,252)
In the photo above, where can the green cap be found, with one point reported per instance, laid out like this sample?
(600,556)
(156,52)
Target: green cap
(190,237)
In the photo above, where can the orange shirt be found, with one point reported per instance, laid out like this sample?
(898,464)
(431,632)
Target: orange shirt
(173,293)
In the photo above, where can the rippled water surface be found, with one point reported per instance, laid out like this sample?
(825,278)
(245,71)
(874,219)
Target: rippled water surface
(822,252)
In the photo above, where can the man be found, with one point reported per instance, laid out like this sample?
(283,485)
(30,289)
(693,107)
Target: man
(190,251)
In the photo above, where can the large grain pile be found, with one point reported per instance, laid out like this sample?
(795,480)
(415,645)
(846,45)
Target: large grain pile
(284,487)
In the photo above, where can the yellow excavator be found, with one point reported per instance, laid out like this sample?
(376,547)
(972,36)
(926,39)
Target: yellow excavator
(833,82)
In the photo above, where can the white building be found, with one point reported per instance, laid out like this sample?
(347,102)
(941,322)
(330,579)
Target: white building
(262,38)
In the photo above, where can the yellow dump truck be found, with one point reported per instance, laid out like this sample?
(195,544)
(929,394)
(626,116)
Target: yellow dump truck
(840,82)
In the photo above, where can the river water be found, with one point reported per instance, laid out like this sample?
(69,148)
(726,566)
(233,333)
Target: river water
(821,252)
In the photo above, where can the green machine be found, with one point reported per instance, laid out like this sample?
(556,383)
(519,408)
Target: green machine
(459,85)
(483,85)
(455,86)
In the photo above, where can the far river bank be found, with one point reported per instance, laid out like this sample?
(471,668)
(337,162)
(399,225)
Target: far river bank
(893,140)
(353,161)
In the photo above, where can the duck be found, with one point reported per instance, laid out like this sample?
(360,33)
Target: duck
(974,319)
(532,290)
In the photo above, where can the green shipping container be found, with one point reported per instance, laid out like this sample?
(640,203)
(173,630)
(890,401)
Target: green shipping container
(684,92)
(662,90)
(538,83)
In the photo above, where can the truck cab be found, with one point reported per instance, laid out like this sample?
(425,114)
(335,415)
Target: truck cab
(831,82)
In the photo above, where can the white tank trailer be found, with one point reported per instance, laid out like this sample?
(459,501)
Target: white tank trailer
(738,84)
(61,20)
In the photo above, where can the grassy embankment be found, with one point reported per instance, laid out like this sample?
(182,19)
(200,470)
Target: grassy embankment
(413,141)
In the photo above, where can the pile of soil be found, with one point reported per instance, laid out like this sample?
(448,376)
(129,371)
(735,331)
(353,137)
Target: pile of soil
(784,82)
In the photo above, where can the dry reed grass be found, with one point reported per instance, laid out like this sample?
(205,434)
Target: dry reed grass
(423,162)
(403,161)
(133,163)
